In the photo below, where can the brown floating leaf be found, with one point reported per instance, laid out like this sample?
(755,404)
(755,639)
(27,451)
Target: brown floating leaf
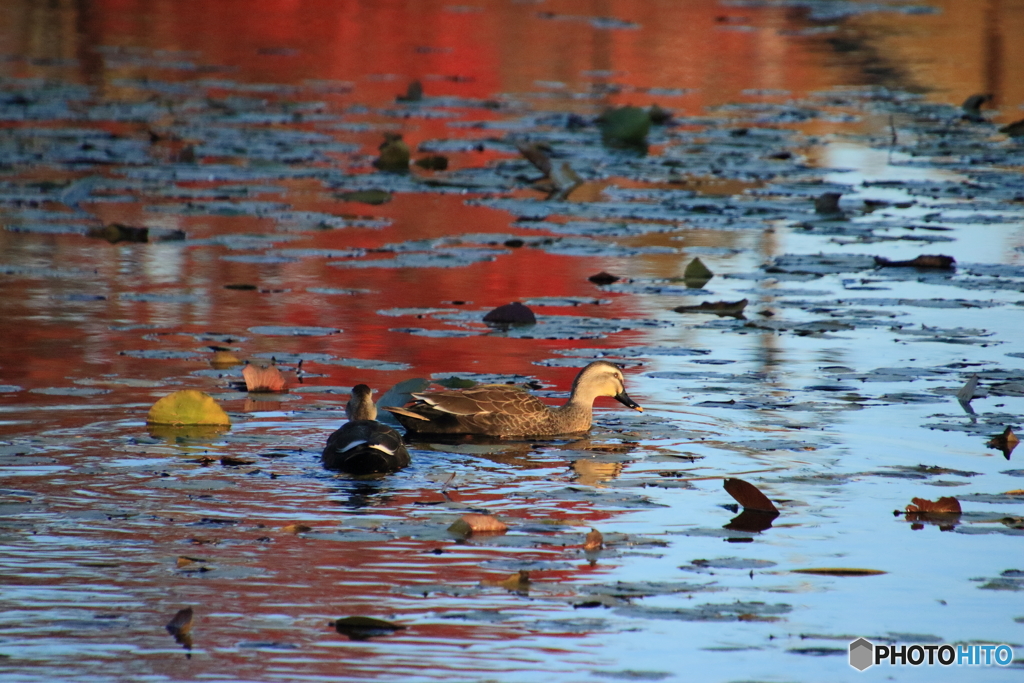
(224,359)
(474,523)
(937,261)
(515,313)
(394,154)
(840,571)
(362,628)
(185,561)
(733,308)
(947,504)
(828,203)
(748,496)
(265,378)
(604,278)
(564,180)
(518,582)
(659,116)
(595,541)
(180,626)
(296,529)
(1004,442)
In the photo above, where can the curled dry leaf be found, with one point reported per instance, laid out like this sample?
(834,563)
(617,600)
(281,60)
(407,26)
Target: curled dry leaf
(296,529)
(263,378)
(474,523)
(966,392)
(748,496)
(187,407)
(947,504)
(186,561)
(1004,442)
(180,626)
(595,540)
(828,203)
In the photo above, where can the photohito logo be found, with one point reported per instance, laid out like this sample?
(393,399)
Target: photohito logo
(864,654)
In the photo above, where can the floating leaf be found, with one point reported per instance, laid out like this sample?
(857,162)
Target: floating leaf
(474,523)
(264,378)
(934,261)
(394,154)
(433,162)
(595,540)
(1004,442)
(749,496)
(518,582)
(733,308)
(947,504)
(697,274)
(513,313)
(625,126)
(604,278)
(839,571)
(187,407)
(363,628)
(296,529)
(180,626)
(374,197)
(828,203)
(222,360)
(413,93)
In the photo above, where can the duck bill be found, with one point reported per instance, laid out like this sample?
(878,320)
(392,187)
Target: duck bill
(625,400)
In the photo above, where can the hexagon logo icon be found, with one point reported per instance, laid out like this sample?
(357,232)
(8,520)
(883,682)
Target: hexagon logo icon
(862,654)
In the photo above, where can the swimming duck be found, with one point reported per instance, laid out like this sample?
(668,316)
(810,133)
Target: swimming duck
(363,445)
(503,410)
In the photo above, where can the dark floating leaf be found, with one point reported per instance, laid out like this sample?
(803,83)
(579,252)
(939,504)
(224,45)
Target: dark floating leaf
(828,203)
(1014,130)
(394,154)
(413,93)
(751,521)
(433,162)
(720,308)
(513,313)
(625,126)
(697,274)
(945,505)
(242,287)
(374,197)
(933,261)
(364,628)
(749,496)
(604,278)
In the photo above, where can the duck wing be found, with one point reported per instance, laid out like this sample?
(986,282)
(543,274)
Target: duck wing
(487,399)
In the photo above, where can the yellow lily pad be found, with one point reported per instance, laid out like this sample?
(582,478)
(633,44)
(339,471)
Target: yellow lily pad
(187,407)
(840,571)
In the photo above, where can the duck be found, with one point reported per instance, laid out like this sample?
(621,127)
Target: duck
(502,410)
(363,445)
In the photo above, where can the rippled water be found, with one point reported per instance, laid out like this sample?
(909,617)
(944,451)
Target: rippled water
(835,394)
